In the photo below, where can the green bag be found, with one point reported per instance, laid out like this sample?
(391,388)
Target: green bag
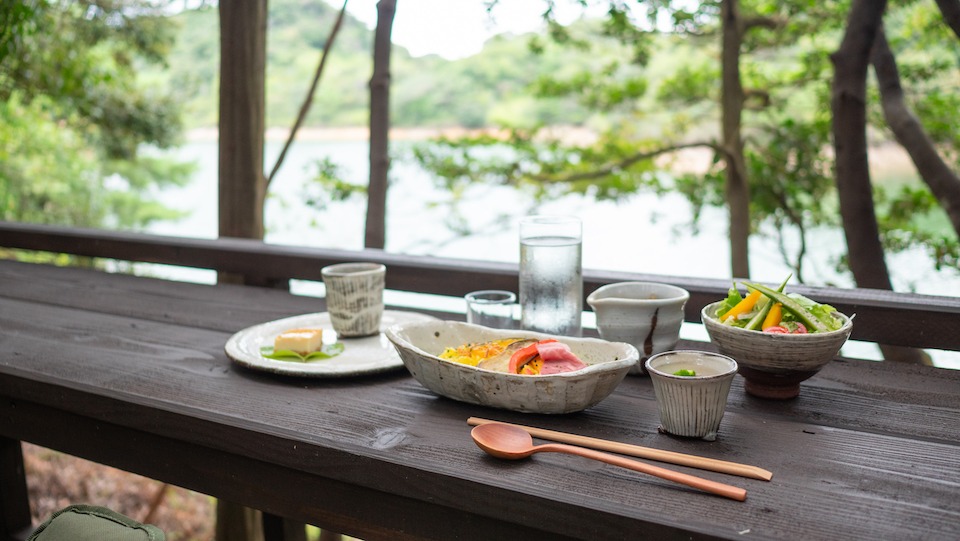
(93,523)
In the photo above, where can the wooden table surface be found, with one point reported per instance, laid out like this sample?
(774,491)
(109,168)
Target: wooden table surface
(131,372)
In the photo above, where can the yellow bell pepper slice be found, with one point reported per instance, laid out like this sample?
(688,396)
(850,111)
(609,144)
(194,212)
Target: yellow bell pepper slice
(743,306)
(774,316)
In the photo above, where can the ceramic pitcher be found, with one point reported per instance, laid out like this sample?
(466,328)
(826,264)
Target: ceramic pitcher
(645,314)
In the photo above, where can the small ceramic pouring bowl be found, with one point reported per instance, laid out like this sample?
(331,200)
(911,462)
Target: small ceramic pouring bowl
(691,389)
(645,314)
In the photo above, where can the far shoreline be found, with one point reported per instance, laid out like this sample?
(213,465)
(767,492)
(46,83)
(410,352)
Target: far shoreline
(340,133)
(574,134)
(887,159)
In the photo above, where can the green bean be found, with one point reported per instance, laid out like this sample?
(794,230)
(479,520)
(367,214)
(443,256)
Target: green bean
(793,306)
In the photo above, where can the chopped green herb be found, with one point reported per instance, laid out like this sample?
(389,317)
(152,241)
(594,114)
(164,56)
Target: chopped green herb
(685,372)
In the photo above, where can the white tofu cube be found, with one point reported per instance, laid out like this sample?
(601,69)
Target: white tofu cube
(303,341)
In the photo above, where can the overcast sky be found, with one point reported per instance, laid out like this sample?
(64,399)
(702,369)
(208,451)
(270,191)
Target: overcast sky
(455,28)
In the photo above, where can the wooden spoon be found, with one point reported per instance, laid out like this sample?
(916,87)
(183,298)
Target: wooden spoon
(513,443)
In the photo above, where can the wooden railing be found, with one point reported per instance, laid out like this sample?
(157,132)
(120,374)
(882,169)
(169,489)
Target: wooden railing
(903,319)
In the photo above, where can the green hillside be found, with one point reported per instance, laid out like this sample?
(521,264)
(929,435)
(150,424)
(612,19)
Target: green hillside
(427,91)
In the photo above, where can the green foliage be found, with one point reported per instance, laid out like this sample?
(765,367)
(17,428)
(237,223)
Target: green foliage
(428,91)
(911,218)
(328,186)
(84,56)
(785,70)
(16,19)
(46,175)
(74,116)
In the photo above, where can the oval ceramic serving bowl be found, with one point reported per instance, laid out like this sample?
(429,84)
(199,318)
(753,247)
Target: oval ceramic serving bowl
(419,344)
(773,365)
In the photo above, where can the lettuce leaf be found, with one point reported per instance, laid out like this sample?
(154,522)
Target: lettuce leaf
(733,297)
(328,351)
(823,312)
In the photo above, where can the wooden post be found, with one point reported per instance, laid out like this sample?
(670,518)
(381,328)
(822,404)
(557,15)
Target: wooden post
(282,529)
(15,522)
(243,50)
(237,523)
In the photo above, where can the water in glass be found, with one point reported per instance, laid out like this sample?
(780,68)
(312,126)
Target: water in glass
(551,284)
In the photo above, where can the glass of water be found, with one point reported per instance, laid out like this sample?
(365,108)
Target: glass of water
(491,308)
(551,274)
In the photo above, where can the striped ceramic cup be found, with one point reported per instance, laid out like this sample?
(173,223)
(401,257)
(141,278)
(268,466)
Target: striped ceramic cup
(691,389)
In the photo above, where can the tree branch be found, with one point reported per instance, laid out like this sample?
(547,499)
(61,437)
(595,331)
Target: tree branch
(942,181)
(627,162)
(797,219)
(950,9)
(308,101)
(771,23)
(756,99)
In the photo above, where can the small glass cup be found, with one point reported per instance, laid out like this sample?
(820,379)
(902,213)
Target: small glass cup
(355,297)
(491,308)
(691,389)
(551,274)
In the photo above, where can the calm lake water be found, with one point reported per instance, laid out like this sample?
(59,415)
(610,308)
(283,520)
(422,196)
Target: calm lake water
(643,233)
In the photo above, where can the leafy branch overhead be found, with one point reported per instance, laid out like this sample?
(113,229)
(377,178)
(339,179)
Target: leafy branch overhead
(76,112)
(665,97)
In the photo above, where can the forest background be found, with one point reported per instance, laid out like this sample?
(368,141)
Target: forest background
(93,88)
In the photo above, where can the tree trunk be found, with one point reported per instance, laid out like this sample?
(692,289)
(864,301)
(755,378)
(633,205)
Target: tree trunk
(737,188)
(864,250)
(943,182)
(375,236)
(243,50)
(850,145)
(243,41)
(950,9)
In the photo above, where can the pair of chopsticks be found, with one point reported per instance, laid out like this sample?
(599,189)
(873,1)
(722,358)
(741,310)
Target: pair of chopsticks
(693,461)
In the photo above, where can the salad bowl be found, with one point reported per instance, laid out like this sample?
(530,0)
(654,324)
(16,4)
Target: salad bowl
(773,365)
(419,345)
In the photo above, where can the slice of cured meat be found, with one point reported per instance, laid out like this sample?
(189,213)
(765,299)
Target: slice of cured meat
(558,358)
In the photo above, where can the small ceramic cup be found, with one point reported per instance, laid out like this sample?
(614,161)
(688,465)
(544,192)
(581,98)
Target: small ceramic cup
(691,389)
(645,314)
(492,308)
(355,297)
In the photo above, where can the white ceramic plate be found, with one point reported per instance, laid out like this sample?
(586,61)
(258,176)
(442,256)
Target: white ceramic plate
(361,356)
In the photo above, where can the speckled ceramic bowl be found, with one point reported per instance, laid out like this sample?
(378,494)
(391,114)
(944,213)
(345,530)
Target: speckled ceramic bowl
(420,343)
(773,365)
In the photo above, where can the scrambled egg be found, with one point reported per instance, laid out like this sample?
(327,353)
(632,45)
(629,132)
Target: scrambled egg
(472,354)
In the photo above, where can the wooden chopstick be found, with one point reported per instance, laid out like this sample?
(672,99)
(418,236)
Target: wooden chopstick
(704,463)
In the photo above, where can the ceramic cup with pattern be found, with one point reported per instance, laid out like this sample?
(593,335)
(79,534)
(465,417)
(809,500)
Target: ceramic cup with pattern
(691,389)
(355,297)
